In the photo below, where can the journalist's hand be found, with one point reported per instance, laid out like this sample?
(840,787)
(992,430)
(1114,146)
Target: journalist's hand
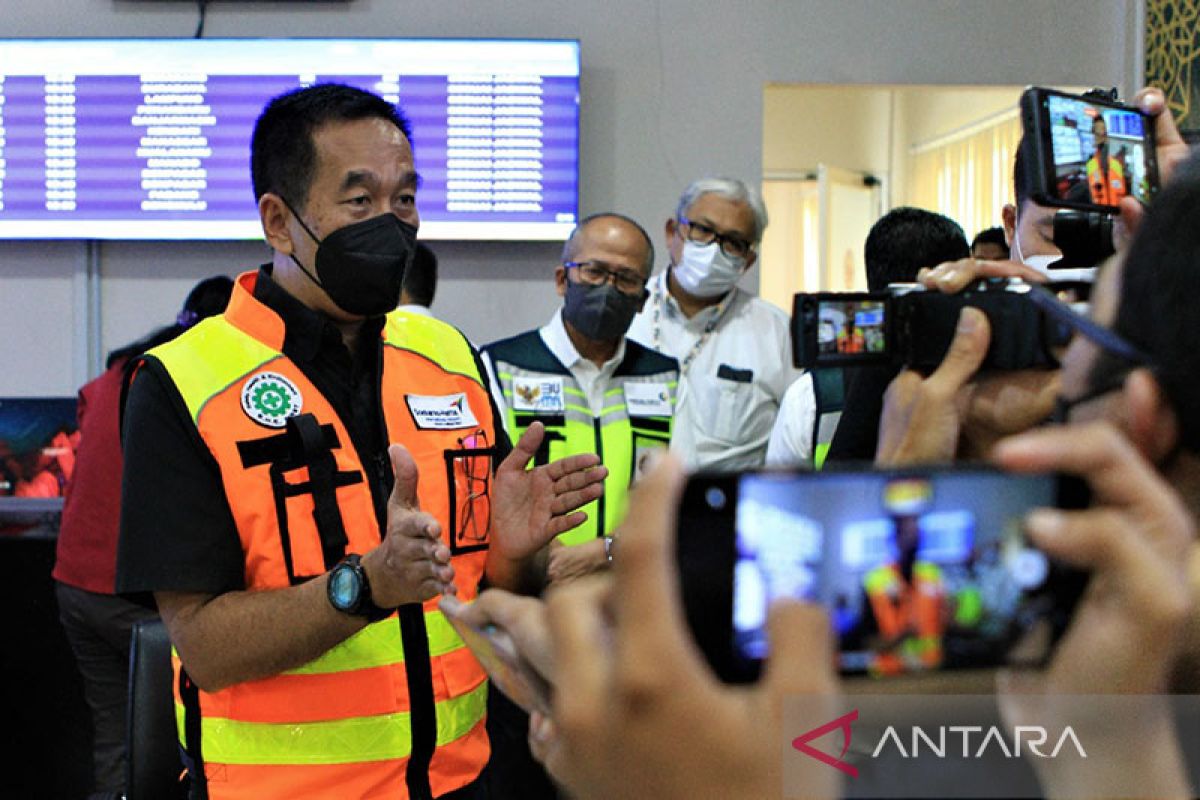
(645,716)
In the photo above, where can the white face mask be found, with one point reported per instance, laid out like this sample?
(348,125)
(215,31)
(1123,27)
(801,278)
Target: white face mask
(705,271)
(1042,264)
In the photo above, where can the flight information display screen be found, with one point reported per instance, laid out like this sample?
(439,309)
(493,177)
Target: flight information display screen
(150,139)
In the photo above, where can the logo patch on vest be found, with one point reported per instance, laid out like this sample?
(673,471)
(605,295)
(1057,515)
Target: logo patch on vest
(441,412)
(647,399)
(538,394)
(269,399)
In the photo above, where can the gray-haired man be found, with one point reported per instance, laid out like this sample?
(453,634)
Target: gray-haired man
(734,350)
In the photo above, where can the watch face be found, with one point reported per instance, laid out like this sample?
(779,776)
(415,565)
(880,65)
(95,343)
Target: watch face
(343,587)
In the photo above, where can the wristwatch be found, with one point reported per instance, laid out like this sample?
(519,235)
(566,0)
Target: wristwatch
(350,592)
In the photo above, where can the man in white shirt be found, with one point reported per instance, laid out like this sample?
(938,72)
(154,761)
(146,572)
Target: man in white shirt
(594,391)
(734,350)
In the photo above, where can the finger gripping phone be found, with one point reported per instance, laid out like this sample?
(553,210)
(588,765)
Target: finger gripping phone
(919,571)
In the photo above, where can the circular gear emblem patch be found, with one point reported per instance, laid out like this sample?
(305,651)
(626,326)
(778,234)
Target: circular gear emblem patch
(269,399)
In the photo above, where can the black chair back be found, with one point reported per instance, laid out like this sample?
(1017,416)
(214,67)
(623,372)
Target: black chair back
(151,742)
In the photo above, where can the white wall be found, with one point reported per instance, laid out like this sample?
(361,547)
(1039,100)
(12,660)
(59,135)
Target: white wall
(671,90)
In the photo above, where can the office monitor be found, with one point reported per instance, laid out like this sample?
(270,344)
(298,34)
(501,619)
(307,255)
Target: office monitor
(150,138)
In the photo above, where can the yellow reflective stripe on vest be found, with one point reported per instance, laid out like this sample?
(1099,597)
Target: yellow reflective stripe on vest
(437,341)
(344,741)
(378,645)
(226,354)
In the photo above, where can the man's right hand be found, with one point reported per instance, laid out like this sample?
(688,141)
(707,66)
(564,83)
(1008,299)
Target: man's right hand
(412,564)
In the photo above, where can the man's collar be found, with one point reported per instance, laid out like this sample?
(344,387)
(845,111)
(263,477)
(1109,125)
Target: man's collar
(305,328)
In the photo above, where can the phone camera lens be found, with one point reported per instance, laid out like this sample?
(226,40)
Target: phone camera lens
(715,498)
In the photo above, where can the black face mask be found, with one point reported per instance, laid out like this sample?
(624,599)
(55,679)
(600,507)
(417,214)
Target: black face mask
(602,312)
(361,266)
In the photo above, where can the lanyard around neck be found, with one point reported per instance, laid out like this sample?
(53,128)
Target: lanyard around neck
(660,293)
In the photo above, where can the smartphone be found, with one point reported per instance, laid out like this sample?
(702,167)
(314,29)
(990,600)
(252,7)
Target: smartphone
(500,658)
(1087,153)
(919,570)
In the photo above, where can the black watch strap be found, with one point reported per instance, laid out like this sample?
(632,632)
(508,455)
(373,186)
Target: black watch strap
(365,607)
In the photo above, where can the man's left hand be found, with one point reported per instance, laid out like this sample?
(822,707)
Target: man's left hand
(532,506)
(568,563)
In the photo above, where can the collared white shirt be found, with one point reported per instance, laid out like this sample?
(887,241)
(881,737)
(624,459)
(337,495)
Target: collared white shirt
(414,308)
(592,380)
(729,393)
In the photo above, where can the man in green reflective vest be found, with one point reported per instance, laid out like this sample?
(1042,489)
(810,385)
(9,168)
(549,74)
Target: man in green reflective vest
(593,389)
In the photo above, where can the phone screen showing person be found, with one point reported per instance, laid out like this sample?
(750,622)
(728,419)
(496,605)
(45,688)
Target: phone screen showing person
(1089,153)
(840,329)
(918,572)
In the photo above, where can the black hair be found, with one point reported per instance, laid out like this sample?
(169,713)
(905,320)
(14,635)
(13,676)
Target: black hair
(207,298)
(420,280)
(1156,300)
(906,239)
(1021,189)
(583,223)
(282,154)
(990,236)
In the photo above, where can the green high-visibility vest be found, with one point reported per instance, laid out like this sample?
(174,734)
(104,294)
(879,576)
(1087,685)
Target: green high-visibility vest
(636,417)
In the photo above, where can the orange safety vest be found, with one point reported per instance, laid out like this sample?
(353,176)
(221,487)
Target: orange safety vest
(340,725)
(1106,185)
(850,342)
(900,608)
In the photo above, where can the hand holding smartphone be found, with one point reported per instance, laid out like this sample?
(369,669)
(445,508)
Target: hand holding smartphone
(499,653)
(1087,153)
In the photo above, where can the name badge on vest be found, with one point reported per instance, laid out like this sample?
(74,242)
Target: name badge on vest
(538,394)
(441,412)
(647,399)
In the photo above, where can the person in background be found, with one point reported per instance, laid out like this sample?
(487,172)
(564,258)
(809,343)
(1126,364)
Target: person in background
(420,282)
(734,349)
(595,392)
(990,245)
(97,622)
(898,245)
(593,389)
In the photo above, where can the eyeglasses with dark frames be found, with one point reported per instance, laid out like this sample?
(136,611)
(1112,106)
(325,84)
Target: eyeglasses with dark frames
(732,246)
(597,273)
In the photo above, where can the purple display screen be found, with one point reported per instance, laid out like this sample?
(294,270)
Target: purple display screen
(150,139)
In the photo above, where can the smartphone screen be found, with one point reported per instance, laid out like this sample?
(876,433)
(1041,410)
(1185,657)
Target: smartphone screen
(918,571)
(839,329)
(1094,153)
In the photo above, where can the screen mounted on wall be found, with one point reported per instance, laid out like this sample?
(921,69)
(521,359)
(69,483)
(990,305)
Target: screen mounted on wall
(150,139)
